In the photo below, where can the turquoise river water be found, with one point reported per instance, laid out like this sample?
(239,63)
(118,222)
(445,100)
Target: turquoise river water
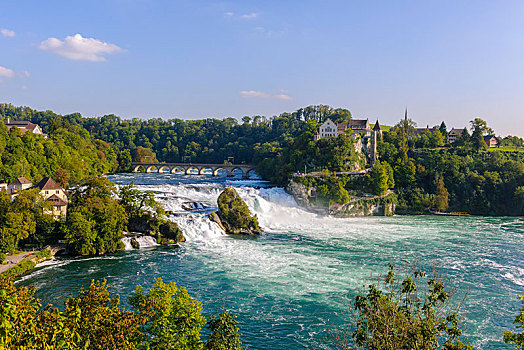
(290,284)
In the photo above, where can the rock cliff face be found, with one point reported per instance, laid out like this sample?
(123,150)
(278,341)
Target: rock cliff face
(357,206)
(233,215)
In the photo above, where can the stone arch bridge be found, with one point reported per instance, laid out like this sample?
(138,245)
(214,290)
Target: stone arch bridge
(193,169)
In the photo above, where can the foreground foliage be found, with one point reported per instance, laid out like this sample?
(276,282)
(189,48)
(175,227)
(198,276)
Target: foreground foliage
(414,312)
(166,318)
(514,337)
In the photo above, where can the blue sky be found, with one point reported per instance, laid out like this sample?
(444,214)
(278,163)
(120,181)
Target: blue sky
(445,60)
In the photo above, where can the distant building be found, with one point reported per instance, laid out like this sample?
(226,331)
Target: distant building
(377,128)
(3,187)
(25,126)
(420,131)
(453,134)
(491,141)
(19,184)
(360,126)
(329,129)
(55,195)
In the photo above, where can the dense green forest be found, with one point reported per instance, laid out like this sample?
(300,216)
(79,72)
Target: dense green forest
(70,151)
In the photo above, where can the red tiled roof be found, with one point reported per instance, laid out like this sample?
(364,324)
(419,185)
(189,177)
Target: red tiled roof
(55,200)
(48,183)
(20,181)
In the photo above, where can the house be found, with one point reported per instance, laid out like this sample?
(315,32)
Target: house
(360,126)
(3,187)
(453,134)
(19,184)
(329,129)
(25,126)
(491,141)
(55,195)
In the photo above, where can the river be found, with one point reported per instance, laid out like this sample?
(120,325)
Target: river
(288,285)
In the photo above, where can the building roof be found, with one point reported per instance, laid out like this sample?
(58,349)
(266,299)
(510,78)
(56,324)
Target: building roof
(48,183)
(20,181)
(420,131)
(455,131)
(342,126)
(358,123)
(18,122)
(23,125)
(377,126)
(489,137)
(55,200)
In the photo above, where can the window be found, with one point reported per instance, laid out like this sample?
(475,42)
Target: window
(46,192)
(57,191)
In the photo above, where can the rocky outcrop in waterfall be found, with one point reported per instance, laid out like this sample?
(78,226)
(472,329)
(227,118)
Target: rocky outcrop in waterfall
(165,231)
(362,205)
(233,215)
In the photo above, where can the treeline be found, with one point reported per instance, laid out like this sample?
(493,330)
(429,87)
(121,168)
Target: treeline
(164,317)
(70,153)
(175,140)
(459,177)
(95,221)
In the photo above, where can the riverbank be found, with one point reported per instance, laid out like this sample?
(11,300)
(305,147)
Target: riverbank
(24,263)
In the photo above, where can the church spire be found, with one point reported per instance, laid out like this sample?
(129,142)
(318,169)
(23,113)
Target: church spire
(406,114)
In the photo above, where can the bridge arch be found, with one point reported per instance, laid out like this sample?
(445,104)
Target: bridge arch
(232,171)
(152,169)
(192,170)
(250,172)
(178,170)
(206,170)
(164,169)
(139,169)
(217,171)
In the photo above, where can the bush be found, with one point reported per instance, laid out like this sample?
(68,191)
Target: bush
(513,337)
(413,313)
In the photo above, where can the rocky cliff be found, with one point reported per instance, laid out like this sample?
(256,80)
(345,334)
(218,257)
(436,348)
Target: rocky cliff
(357,206)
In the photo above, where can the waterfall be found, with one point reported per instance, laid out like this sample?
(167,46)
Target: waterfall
(143,242)
(127,243)
(146,241)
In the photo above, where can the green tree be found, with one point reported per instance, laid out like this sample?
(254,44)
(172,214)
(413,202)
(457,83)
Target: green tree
(513,337)
(481,125)
(477,140)
(379,178)
(95,220)
(415,312)
(174,318)
(224,332)
(441,195)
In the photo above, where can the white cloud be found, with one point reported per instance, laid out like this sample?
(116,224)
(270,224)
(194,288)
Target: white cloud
(7,73)
(249,15)
(229,14)
(24,87)
(7,32)
(260,94)
(26,74)
(79,48)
